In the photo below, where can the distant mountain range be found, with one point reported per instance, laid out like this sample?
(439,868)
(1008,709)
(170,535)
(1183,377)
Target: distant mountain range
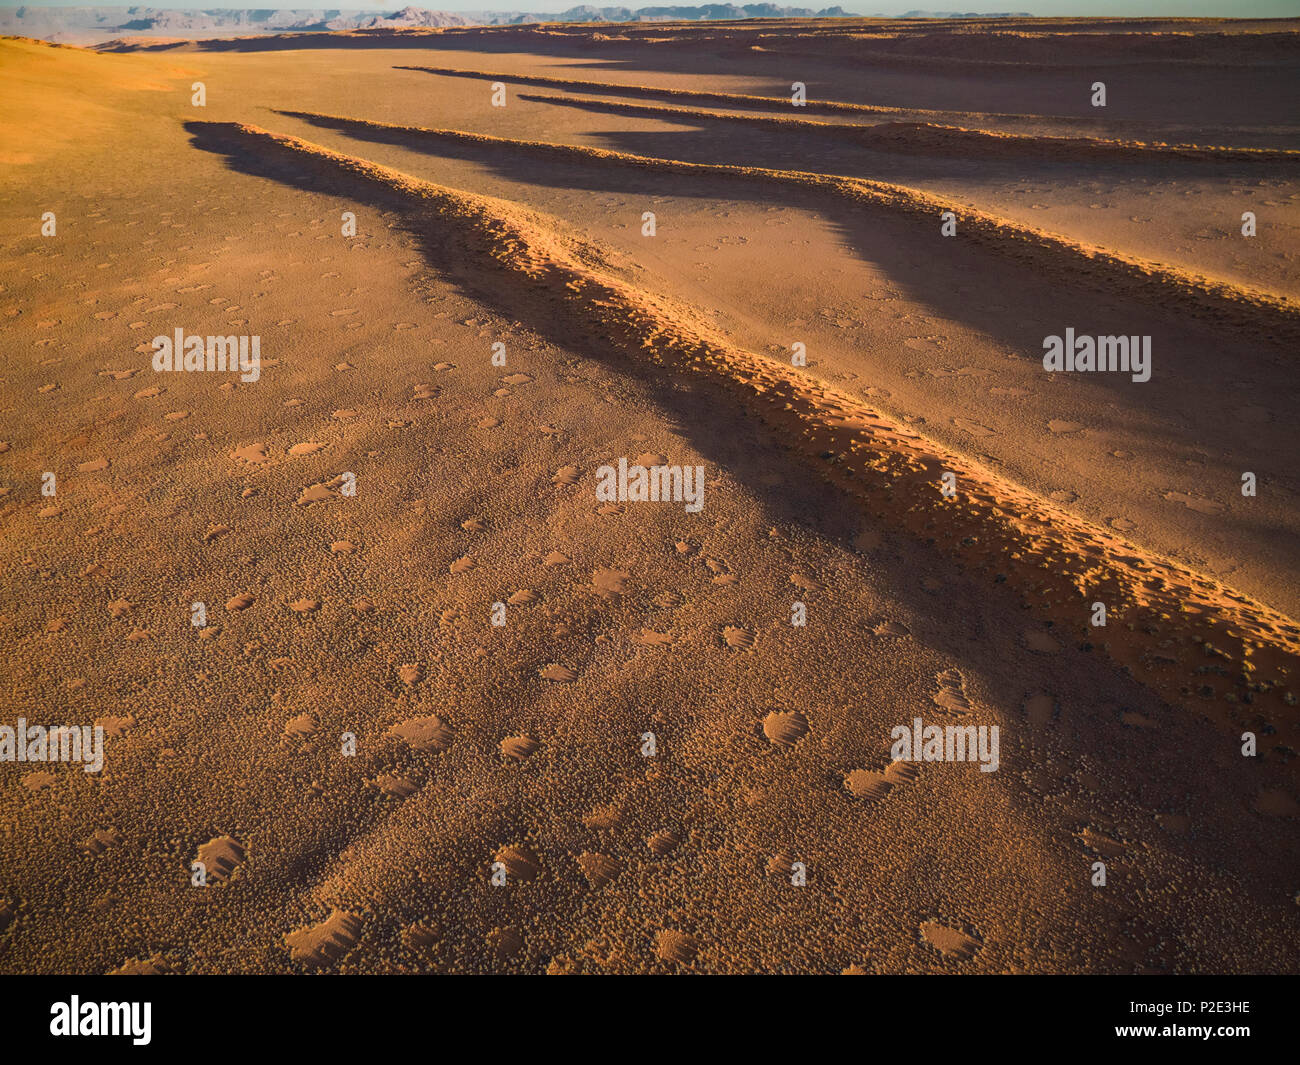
(84,25)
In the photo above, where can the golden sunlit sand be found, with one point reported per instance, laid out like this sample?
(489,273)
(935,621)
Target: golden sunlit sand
(376,645)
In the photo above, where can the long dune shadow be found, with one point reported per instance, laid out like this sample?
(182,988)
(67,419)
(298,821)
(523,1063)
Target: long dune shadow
(1012,304)
(833,102)
(561,170)
(816,152)
(873,148)
(842,92)
(720,427)
(665,94)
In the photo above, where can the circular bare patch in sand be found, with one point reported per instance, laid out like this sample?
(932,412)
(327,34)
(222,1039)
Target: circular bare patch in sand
(679,947)
(599,869)
(520,862)
(785,728)
(425,733)
(866,784)
(517,748)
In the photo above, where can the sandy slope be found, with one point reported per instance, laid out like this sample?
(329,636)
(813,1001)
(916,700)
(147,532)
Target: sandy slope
(475,484)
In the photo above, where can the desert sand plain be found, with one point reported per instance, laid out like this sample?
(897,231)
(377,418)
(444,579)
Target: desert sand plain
(519,747)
